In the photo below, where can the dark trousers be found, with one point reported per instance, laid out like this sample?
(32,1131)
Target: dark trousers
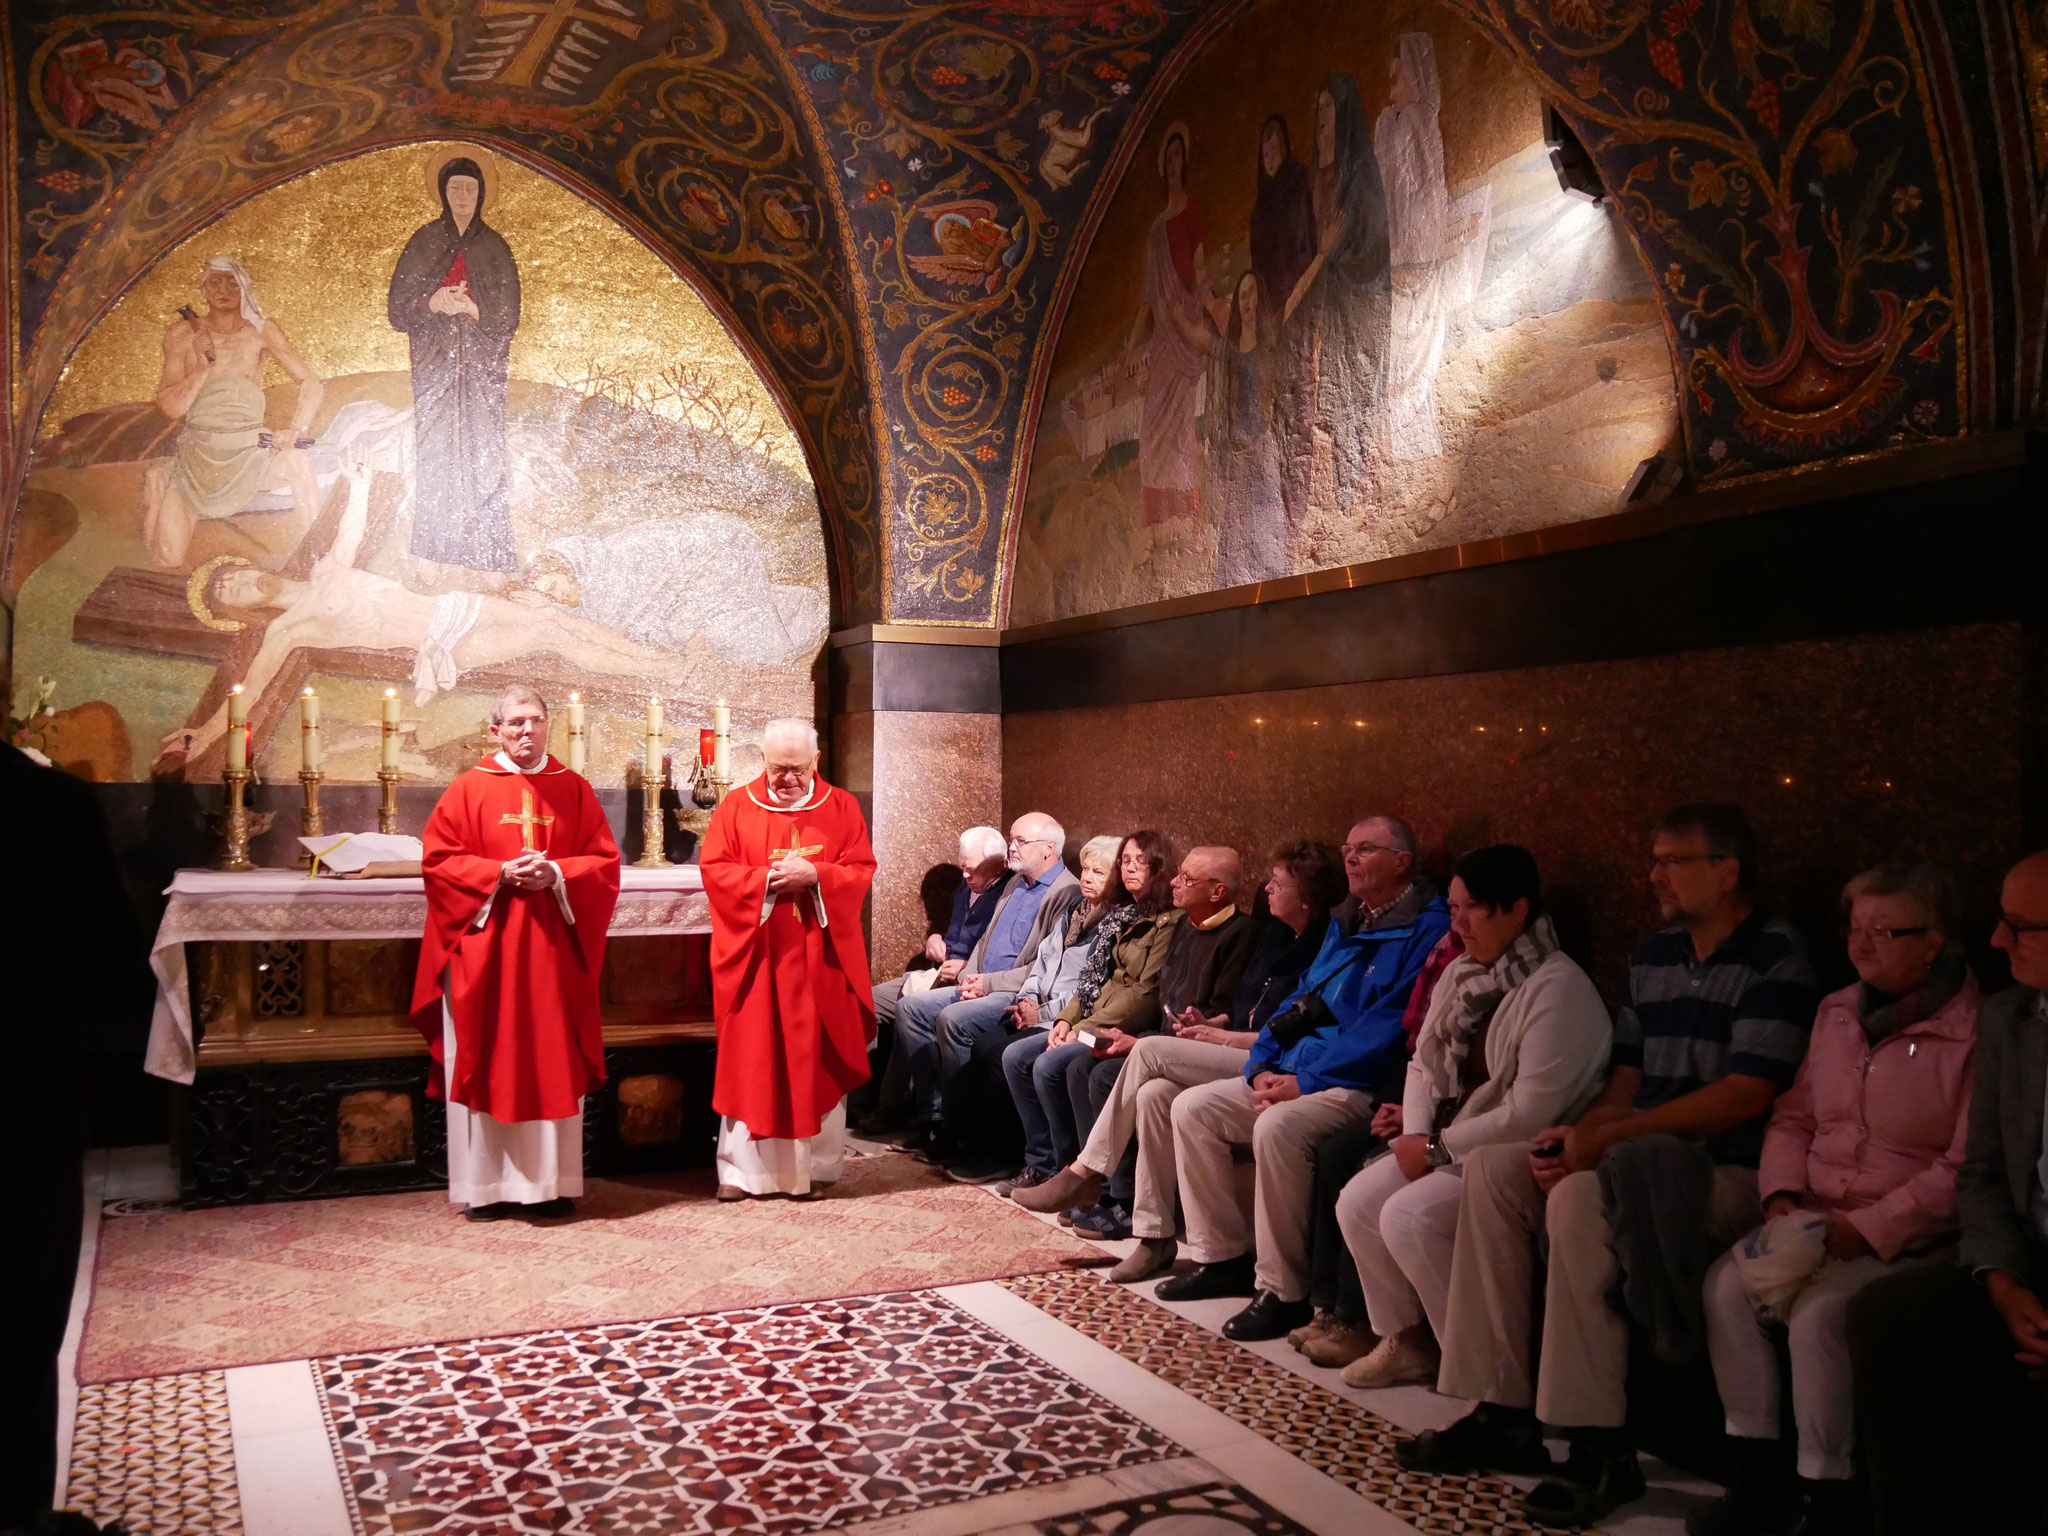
(1089,1082)
(39,1293)
(1953,1429)
(1332,1277)
(975,1102)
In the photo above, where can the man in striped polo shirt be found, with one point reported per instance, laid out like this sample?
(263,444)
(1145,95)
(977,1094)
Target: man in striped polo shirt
(1720,1004)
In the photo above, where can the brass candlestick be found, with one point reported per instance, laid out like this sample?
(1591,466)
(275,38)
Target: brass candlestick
(650,825)
(309,813)
(236,823)
(387,813)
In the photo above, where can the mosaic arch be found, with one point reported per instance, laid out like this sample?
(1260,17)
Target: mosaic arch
(423,419)
(892,201)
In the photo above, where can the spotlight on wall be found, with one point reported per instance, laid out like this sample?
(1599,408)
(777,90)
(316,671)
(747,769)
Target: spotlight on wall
(1654,481)
(1576,172)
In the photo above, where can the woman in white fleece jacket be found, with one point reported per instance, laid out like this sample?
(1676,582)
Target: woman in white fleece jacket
(1516,1039)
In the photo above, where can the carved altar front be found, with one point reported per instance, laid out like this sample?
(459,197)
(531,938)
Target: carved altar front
(282,1002)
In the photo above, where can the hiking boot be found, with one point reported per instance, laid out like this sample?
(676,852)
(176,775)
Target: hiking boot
(1400,1361)
(1340,1343)
(1065,1190)
(1152,1256)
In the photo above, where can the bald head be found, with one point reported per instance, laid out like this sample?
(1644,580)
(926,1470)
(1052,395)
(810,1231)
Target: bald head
(2023,913)
(1209,880)
(1036,844)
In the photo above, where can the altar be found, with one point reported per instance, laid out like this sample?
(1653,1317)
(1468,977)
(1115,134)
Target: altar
(282,1006)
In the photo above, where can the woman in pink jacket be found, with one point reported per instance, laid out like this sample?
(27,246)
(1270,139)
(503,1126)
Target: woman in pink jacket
(1870,1134)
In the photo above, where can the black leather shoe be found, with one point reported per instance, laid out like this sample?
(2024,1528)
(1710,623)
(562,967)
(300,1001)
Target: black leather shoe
(1587,1489)
(497,1210)
(1482,1441)
(1268,1317)
(1228,1277)
(546,1210)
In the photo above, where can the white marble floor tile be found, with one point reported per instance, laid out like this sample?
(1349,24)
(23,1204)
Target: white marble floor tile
(1128,1385)
(140,1173)
(74,1328)
(1020,1508)
(284,1461)
(1300,1492)
(1246,1458)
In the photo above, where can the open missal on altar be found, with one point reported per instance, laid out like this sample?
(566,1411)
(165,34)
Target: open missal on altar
(364,855)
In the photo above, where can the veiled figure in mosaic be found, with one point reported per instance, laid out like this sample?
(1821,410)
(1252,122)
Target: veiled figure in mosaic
(455,294)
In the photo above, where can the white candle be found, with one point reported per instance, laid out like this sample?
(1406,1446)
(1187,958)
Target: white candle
(309,732)
(238,732)
(652,766)
(389,758)
(576,737)
(721,752)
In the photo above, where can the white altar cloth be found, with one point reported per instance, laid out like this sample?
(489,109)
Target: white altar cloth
(214,905)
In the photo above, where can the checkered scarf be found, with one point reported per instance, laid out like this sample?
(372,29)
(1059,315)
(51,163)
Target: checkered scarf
(1475,993)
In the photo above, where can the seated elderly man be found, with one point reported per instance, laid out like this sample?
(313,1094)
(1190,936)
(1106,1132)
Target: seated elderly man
(1719,1006)
(1312,1071)
(1304,881)
(984,873)
(937,1030)
(1206,953)
(1951,1360)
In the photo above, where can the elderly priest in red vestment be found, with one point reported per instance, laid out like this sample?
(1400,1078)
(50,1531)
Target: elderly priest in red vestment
(522,875)
(786,864)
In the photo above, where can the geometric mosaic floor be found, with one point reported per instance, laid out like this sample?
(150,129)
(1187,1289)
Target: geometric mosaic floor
(781,1420)
(156,1455)
(1328,1432)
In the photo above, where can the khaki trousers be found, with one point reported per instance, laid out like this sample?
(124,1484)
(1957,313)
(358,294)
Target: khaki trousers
(1159,1069)
(1581,1381)
(1207,1122)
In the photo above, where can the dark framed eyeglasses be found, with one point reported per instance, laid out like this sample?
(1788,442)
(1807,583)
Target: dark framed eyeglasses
(1670,861)
(1886,935)
(2018,927)
(1362,849)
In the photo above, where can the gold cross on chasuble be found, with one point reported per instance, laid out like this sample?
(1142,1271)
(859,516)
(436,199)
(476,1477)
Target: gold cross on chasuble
(526,821)
(798,847)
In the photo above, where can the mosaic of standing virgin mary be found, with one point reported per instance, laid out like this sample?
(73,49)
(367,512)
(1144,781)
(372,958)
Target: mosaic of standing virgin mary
(455,294)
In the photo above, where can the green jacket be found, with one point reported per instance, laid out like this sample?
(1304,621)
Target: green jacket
(1130,998)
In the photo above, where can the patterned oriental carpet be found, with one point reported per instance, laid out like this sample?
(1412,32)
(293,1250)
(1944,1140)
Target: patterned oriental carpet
(178,1291)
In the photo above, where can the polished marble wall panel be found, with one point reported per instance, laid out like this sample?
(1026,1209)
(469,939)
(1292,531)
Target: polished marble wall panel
(1845,752)
(932,776)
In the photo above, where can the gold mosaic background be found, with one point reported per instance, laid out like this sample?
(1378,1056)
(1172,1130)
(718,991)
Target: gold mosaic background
(596,301)
(631,413)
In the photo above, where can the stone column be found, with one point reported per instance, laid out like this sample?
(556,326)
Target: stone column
(917,736)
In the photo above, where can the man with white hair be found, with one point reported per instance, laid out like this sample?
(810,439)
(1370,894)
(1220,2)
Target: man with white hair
(213,383)
(983,875)
(522,875)
(787,865)
(938,1030)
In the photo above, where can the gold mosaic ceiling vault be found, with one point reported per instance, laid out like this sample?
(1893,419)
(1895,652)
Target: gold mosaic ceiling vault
(596,301)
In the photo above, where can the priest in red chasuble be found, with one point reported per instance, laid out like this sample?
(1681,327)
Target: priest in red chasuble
(522,875)
(786,864)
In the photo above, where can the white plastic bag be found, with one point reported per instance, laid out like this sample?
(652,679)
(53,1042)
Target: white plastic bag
(1777,1260)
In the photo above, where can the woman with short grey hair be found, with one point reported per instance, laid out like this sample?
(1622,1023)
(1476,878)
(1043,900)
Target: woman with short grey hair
(1858,1179)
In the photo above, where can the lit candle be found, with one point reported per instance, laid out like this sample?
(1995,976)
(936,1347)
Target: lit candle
(238,728)
(309,732)
(707,747)
(652,767)
(576,737)
(721,727)
(389,759)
